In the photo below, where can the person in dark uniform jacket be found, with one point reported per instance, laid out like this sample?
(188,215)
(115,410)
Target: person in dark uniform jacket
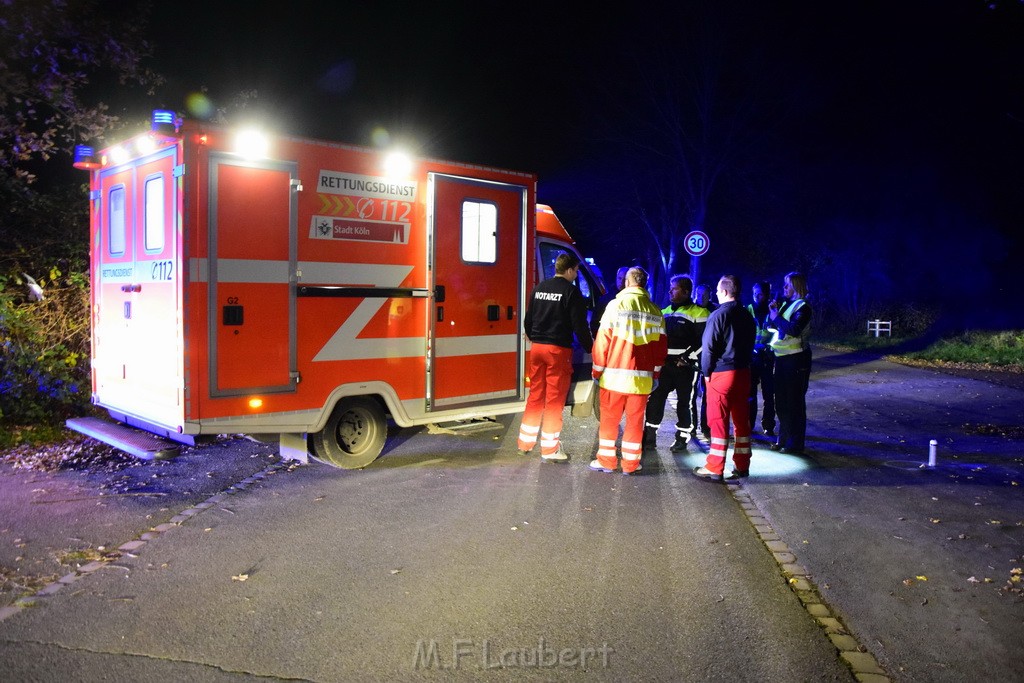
(762,366)
(684,327)
(727,349)
(556,310)
(791,323)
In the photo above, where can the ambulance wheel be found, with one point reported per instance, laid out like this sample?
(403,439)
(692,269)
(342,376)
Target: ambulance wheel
(354,434)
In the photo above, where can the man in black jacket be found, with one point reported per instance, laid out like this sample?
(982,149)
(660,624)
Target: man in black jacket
(726,352)
(556,310)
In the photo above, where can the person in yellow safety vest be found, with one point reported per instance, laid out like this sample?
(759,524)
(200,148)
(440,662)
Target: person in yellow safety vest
(791,323)
(762,366)
(684,328)
(628,354)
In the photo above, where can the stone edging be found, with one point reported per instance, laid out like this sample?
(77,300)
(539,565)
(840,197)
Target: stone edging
(863,664)
(134,545)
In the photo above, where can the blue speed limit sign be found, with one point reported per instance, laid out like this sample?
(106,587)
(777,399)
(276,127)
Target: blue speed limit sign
(697,243)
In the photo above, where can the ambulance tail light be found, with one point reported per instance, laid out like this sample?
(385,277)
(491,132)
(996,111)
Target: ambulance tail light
(255,403)
(85,158)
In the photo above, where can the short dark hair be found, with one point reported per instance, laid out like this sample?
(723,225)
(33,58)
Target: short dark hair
(565,261)
(730,284)
(687,283)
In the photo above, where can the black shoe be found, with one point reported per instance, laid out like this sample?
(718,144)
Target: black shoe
(791,451)
(706,474)
(650,438)
(681,443)
(775,447)
(738,474)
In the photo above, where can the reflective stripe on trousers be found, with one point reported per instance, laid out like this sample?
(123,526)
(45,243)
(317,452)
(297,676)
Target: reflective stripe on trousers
(728,396)
(550,371)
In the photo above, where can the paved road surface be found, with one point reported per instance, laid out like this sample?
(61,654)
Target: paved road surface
(446,541)
(456,543)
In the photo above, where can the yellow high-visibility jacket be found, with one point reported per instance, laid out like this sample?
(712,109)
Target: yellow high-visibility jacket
(631,345)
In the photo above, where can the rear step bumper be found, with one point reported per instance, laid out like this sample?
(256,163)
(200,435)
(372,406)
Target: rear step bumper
(140,444)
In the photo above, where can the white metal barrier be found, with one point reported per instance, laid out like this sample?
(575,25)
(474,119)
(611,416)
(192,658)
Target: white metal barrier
(879,327)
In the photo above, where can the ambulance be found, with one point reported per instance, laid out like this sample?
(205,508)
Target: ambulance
(306,291)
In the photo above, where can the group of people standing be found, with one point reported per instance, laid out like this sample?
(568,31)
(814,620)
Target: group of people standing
(642,353)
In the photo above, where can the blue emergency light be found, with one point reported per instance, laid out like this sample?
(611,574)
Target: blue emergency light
(85,158)
(165,122)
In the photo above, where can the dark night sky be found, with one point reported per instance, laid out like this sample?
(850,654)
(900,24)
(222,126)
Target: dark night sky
(876,107)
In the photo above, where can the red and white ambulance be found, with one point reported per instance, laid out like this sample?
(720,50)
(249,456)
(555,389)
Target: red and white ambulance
(306,289)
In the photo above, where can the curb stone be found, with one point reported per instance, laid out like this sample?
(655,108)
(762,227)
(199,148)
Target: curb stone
(862,663)
(138,543)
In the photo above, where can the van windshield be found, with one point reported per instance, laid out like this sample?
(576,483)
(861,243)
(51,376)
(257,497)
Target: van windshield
(549,252)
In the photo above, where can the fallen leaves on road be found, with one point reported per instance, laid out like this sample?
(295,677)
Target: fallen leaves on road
(1008,431)
(240,577)
(77,452)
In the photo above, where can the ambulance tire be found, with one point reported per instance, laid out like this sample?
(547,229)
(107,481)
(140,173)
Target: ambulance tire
(354,434)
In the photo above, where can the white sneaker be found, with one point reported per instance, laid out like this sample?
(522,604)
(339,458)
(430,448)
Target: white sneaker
(557,456)
(598,467)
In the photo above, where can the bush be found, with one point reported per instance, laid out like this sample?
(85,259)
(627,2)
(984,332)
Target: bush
(44,365)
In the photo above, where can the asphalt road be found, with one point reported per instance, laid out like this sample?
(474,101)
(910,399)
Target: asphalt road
(449,545)
(453,551)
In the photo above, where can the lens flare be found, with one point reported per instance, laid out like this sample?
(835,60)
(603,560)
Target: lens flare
(199,105)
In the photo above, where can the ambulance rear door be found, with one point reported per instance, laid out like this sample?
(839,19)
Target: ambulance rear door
(478,231)
(137,334)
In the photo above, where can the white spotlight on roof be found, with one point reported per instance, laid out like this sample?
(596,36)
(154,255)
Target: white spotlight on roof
(398,165)
(252,144)
(119,155)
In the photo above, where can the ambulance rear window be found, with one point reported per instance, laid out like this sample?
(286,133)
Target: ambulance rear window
(116,221)
(479,232)
(155,213)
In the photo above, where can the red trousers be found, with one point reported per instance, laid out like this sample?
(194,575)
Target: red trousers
(613,406)
(728,396)
(550,371)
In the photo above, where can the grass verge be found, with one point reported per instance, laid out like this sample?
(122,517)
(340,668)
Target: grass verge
(998,350)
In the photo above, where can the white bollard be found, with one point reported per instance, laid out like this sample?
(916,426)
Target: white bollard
(932,447)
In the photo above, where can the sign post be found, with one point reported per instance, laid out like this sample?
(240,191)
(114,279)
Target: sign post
(696,244)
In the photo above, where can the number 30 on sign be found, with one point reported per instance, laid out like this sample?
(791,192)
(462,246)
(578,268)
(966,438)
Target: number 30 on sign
(697,243)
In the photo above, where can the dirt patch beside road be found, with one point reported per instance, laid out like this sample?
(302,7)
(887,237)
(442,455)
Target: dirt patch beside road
(65,505)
